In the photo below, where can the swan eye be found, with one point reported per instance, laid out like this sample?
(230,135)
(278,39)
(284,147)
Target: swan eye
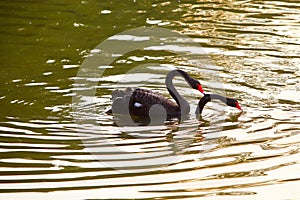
(137,105)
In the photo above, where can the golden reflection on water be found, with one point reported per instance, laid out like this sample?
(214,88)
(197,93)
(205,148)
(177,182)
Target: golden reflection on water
(251,156)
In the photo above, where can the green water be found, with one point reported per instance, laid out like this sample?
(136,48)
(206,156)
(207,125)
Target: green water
(254,50)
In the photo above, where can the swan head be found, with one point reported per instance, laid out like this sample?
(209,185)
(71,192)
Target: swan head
(233,103)
(195,84)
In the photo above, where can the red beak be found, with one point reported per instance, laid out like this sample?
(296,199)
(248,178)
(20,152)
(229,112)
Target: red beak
(200,88)
(238,106)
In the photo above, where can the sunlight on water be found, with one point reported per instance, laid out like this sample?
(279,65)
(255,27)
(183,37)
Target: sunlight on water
(254,52)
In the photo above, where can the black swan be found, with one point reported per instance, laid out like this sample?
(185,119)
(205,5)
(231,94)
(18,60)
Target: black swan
(138,102)
(208,97)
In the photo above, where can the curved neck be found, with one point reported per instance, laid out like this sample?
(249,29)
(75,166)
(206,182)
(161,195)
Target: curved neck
(181,102)
(207,98)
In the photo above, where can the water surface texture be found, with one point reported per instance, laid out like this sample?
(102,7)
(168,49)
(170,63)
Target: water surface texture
(253,51)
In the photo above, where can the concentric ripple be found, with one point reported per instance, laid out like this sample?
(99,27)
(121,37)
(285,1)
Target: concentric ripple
(46,155)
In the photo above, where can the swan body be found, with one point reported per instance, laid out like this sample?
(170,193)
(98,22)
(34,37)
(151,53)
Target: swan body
(139,101)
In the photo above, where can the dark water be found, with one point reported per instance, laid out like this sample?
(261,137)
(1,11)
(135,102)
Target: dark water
(253,52)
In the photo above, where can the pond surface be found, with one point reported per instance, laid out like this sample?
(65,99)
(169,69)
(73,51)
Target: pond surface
(50,149)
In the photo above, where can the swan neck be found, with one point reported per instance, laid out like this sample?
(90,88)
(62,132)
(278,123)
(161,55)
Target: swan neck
(218,97)
(181,102)
(207,98)
(203,101)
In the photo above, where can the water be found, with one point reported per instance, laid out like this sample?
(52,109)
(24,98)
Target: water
(253,46)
